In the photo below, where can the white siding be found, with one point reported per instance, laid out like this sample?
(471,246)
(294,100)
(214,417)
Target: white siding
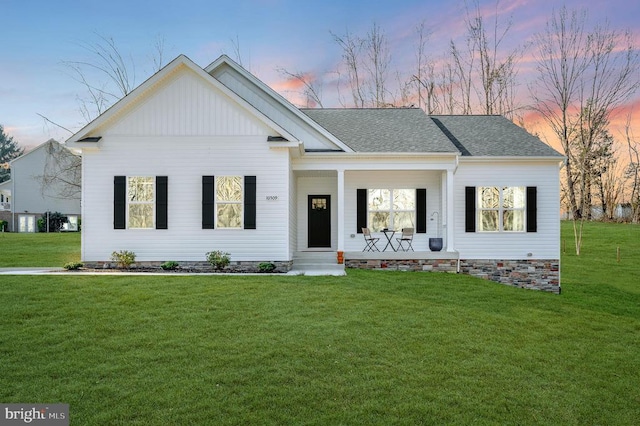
(185,160)
(319,183)
(274,110)
(186,105)
(543,244)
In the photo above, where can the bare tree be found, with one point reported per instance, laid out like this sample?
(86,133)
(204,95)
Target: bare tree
(311,88)
(632,171)
(366,63)
(62,173)
(485,70)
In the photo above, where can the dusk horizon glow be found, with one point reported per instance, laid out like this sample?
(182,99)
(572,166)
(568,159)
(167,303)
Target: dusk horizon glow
(270,35)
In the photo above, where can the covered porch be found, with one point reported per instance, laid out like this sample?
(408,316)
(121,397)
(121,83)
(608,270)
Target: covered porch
(343,193)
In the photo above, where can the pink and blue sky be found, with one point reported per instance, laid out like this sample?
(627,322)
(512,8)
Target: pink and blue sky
(38,36)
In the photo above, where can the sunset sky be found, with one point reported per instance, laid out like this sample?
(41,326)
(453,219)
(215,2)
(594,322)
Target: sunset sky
(38,36)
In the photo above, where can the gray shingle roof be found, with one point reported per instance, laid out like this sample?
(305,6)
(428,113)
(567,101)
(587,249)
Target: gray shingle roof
(383,130)
(411,130)
(491,135)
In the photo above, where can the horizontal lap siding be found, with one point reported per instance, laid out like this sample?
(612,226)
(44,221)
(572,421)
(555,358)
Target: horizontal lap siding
(185,160)
(543,244)
(391,179)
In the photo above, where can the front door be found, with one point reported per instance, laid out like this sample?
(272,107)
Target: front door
(319,208)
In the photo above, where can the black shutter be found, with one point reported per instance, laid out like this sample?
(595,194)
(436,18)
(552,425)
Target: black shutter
(361,212)
(470,209)
(119,202)
(421,211)
(208,202)
(249,202)
(532,209)
(162,201)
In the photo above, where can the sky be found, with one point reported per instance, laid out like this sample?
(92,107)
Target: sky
(38,37)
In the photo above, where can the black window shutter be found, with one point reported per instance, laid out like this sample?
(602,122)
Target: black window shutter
(208,202)
(119,202)
(249,202)
(421,211)
(532,209)
(470,209)
(361,212)
(162,201)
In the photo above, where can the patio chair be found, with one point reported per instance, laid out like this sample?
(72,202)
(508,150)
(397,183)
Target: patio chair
(370,240)
(406,240)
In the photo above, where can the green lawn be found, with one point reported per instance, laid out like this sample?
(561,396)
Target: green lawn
(39,249)
(370,348)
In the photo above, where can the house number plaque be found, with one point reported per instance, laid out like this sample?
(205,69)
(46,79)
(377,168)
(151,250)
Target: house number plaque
(272,197)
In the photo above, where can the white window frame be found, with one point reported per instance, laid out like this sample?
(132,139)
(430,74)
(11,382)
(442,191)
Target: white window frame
(392,212)
(219,202)
(151,202)
(501,209)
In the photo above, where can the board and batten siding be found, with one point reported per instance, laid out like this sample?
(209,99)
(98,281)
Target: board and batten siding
(186,105)
(272,109)
(543,244)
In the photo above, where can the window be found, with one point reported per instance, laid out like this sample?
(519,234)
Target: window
(229,201)
(501,208)
(140,201)
(71,224)
(391,208)
(26,223)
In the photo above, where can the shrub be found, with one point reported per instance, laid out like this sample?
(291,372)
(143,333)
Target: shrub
(3,225)
(56,220)
(169,266)
(218,259)
(266,267)
(123,258)
(73,266)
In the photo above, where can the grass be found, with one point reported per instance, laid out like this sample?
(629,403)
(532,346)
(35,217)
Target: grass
(369,348)
(39,249)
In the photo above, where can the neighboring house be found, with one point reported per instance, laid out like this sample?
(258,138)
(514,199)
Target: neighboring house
(196,160)
(5,201)
(34,191)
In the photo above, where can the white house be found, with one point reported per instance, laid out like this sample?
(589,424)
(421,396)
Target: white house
(195,160)
(40,181)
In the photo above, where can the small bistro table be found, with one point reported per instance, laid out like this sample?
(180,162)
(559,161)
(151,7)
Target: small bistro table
(389,233)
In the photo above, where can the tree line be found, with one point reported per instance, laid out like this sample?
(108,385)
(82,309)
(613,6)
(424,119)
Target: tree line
(583,75)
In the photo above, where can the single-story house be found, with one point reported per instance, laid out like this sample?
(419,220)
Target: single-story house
(40,181)
(196,160)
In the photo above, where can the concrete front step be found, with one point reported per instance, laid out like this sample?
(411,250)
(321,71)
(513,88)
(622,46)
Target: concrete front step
(316,263)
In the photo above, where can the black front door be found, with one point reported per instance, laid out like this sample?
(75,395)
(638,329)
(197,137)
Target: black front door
(319,208)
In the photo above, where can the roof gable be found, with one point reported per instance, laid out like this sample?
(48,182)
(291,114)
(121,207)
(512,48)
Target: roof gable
(273,105)
(181,65)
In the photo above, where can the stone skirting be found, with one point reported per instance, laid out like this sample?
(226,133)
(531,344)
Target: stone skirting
(435,265)
(531,274)
(190,266)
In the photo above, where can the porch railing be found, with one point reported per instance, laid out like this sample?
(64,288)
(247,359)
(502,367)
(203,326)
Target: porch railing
(5,206)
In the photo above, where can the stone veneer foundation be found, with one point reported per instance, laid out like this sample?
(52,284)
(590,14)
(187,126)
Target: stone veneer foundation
(186,266)
(530,274)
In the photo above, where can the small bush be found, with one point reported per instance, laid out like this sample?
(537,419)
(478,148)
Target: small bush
(56,221)
(73,266)
(123,258)
(218,259)
(266,267)
(3,225)
(170,265)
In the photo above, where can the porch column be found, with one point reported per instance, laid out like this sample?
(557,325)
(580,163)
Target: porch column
(448,223)
(340,224)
